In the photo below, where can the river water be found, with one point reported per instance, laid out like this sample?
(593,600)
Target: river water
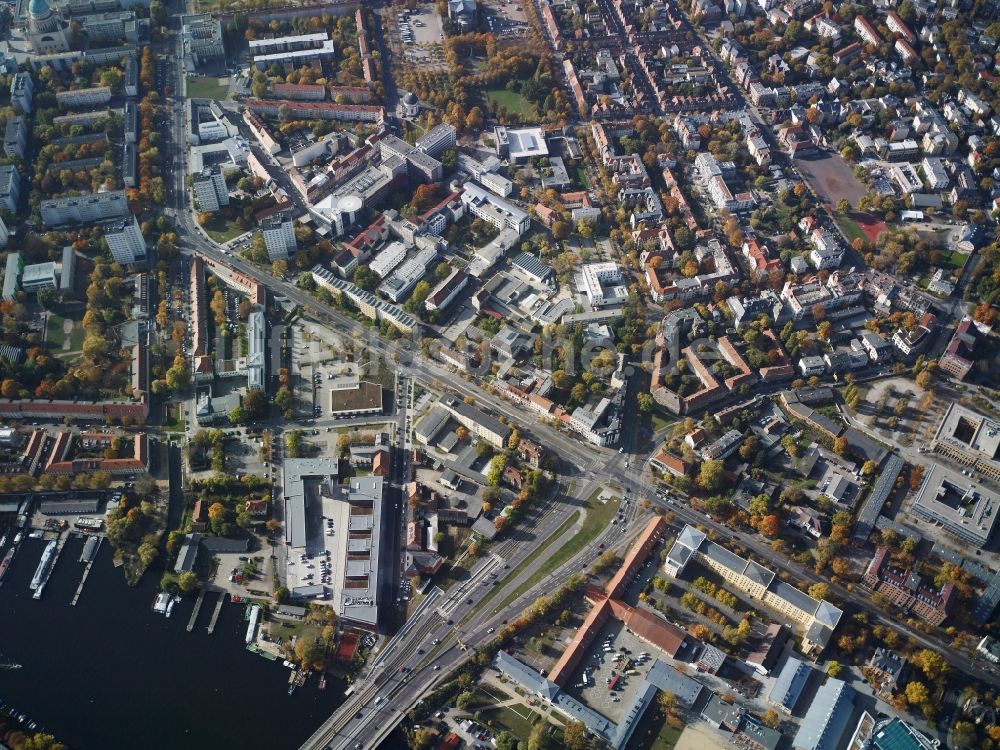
(111,674)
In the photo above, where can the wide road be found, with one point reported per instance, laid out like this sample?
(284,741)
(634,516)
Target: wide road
(439,640)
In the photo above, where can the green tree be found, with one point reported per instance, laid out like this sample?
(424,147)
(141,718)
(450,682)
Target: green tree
(819,591)
(41,742)
(575,736)
(931,663)
(711,475)
(834,669)
(465,700)
(255,403)
(187,582)
(365,278)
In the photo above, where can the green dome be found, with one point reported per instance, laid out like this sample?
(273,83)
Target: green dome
(38,8)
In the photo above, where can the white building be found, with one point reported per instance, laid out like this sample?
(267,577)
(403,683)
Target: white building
(827,251)
(494,209)
(202,37)
(84,209)
(125,241)
(22,90)
(598,276)
(397,287)
(39,276)
(210,190)
(257,349)
(437,139)
(390,257)
(279,236)
(91,97)
(809,366)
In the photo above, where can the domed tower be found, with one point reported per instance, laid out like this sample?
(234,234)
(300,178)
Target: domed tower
(409,105)
(47,32)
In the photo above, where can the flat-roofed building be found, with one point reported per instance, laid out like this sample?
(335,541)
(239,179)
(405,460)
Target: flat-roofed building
(959,504)
(10,187)
(15,137)
(437,139)
(125,240)
(85,209)
(210,189)
(257,349)
(519,144)
(970,439)
(90,97)
(279,236)
(202,39)
(826,721)
(495,210)
(39,276)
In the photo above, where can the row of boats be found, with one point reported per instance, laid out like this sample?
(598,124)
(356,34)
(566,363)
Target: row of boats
(9,557)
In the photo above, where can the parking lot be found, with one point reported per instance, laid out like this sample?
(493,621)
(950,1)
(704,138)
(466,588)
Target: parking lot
(614,657)
(505,18)
(418,34)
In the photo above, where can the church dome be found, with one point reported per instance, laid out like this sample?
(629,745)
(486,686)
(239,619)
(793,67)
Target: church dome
(409,99)
(38,8)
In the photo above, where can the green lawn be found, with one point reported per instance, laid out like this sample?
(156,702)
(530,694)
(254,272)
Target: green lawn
(511,101)
(55,337)
(660,422)
(598,518)
(203,87)
(221,230)
(509,718)
(174,419)
(653,732)
(953,260)
(532,580)
(850,228)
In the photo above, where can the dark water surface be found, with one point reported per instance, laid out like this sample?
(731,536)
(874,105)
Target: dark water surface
(110,673)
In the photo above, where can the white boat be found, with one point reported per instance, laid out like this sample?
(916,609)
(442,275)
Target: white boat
(42,571)
(160,602)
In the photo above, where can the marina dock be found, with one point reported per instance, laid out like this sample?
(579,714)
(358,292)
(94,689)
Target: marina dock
(197,609)
(217,612)
(89,555)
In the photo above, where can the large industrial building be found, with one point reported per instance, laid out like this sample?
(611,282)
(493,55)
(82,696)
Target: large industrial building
(311,493)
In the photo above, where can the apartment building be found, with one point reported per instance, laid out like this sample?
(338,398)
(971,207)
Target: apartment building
(83,98)
(437,139)
(279,236)
(480,424)
(10,187)
(125,240)
(22,91)
(15,137)
(210,190)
